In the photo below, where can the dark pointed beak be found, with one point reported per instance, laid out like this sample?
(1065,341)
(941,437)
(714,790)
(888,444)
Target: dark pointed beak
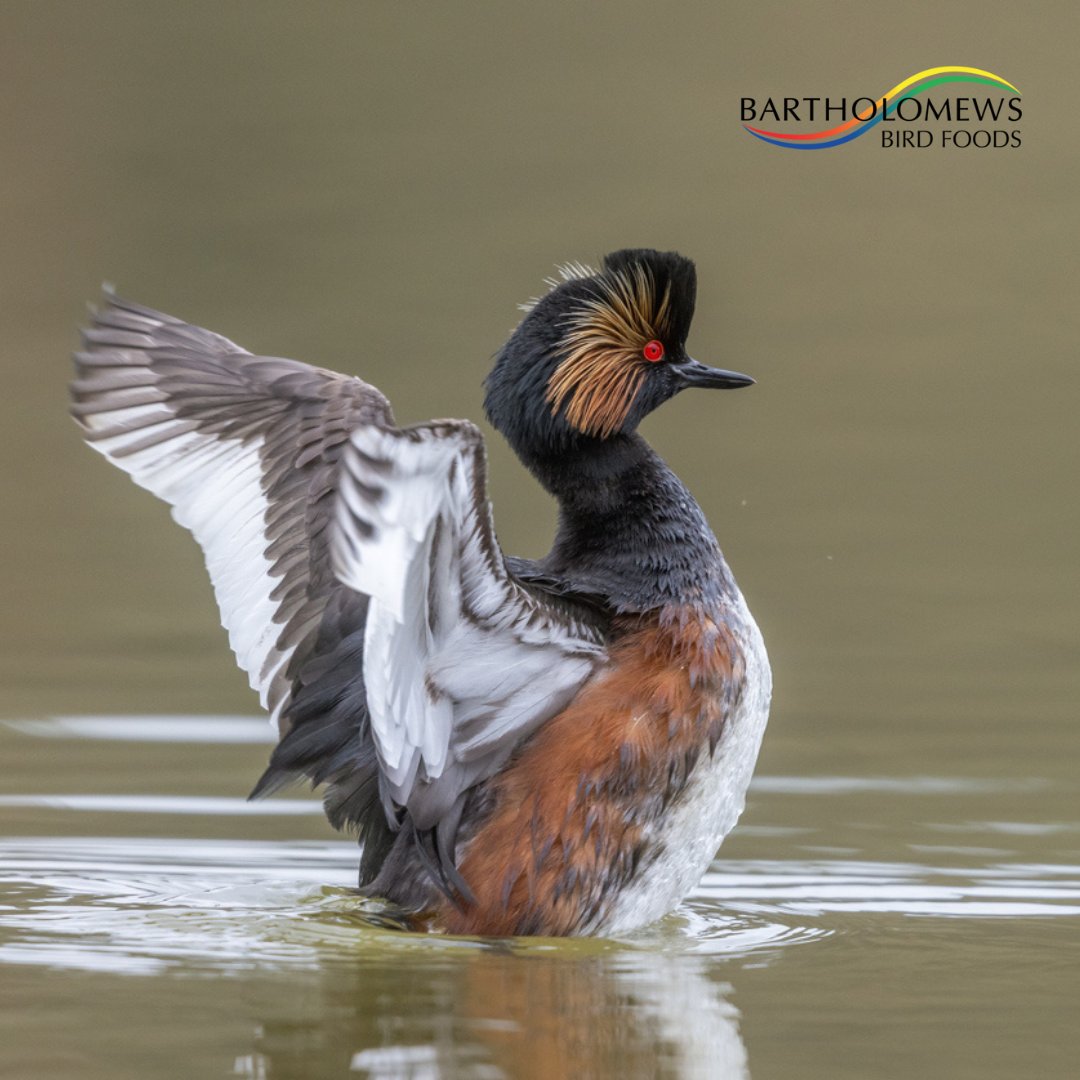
(691,373)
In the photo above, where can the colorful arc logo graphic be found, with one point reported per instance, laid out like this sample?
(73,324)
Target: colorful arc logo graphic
(853,128)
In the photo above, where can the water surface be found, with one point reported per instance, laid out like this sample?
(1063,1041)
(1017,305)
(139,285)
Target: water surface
(238,920)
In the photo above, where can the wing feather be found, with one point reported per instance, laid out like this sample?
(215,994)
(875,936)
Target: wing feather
(355,565)
(244,449)
(462,660)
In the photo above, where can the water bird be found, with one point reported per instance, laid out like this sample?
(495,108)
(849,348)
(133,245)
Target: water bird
(547,747)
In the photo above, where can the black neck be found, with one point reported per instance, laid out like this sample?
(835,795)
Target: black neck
(628,528)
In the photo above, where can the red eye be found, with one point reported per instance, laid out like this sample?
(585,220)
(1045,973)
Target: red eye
(653,351)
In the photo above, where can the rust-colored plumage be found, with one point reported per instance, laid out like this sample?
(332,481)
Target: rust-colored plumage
(570,814)
(603,367)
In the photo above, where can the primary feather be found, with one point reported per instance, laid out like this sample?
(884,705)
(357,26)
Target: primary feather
(245,450)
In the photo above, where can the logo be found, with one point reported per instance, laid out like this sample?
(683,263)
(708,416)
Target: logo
(903,113)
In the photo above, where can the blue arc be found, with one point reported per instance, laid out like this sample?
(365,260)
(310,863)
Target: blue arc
(824,145)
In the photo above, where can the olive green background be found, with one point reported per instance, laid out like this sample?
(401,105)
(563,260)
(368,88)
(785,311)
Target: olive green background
(373,187)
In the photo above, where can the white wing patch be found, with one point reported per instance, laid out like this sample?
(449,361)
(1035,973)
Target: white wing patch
(215,490)
(460,661)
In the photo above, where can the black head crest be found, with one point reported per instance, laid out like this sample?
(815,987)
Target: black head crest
(584,360)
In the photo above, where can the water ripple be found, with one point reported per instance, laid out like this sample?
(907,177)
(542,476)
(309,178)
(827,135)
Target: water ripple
(213,806)
(142,905)
(150,729)
(815,888)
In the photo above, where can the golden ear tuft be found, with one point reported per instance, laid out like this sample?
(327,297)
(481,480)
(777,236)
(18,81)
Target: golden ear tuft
(603,367)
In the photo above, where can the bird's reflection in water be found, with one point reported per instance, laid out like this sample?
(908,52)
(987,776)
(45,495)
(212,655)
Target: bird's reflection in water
(580,1010)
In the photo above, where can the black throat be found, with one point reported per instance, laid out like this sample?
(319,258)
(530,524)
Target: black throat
(629,531)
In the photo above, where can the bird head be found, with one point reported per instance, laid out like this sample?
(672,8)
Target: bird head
(599,352)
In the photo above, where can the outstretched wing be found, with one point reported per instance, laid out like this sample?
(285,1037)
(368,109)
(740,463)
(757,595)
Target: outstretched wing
(462,660)
(245,449)
(355,566)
